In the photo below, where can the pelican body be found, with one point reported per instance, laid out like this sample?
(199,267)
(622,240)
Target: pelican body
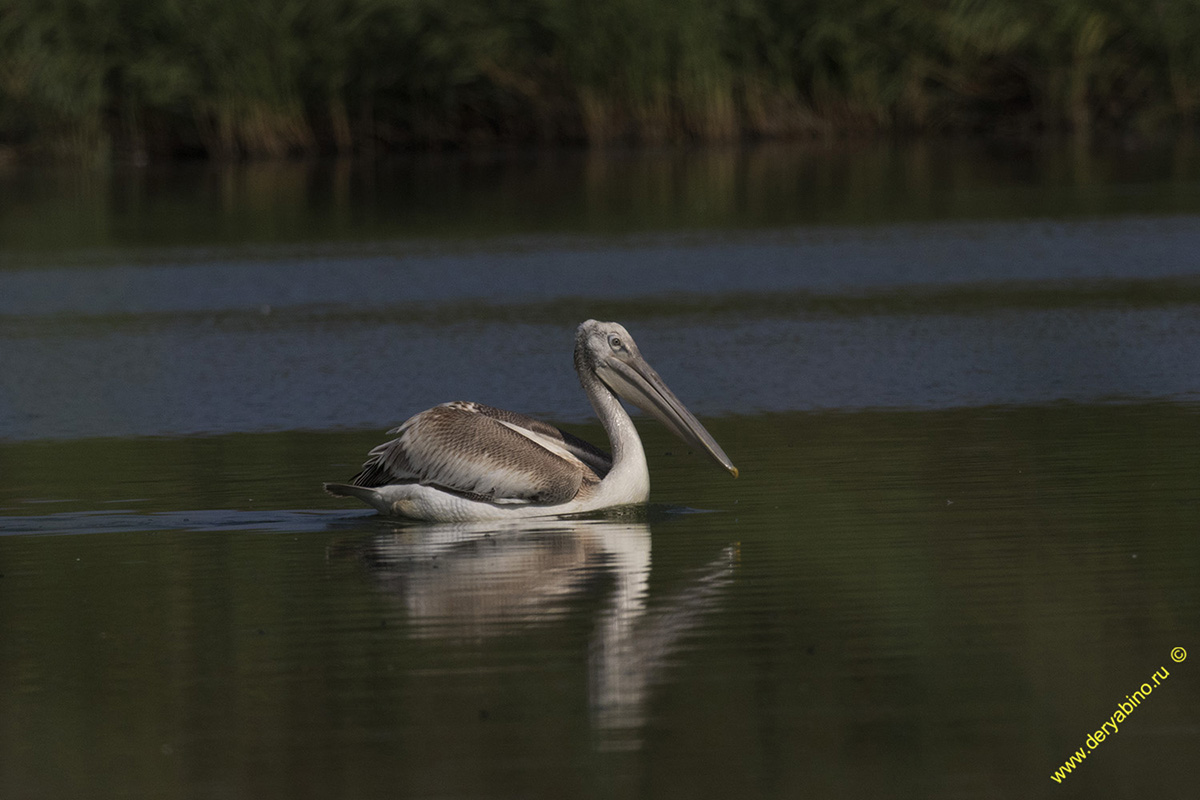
(461,461)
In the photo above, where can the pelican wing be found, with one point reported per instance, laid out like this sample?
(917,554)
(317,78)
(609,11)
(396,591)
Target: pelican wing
(599,461)
(482,453)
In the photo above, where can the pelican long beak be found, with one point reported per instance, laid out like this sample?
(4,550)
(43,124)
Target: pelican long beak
(636,381)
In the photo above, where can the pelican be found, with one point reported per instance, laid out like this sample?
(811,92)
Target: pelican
(462,461)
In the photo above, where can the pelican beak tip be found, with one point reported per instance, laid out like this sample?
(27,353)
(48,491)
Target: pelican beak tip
(733,471)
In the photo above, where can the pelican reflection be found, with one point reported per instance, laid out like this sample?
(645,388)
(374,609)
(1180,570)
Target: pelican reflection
(477,580)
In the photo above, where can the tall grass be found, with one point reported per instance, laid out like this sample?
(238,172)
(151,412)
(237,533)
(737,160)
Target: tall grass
(251,78)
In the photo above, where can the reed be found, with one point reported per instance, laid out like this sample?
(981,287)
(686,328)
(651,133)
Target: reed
(231,79)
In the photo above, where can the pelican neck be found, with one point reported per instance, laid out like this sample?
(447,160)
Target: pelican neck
(622,434)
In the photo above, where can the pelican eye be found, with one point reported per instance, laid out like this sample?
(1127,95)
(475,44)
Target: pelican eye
(615,342)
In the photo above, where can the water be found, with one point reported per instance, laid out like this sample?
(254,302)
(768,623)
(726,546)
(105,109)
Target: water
(961,391)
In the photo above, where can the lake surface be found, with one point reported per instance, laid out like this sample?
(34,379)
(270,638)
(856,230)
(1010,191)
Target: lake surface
(961,383)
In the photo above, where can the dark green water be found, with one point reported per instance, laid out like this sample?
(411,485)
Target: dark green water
(965,527)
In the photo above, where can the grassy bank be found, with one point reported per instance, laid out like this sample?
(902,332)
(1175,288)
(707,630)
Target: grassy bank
(93,78)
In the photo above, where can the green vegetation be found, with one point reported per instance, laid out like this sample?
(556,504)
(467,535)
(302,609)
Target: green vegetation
(89,78)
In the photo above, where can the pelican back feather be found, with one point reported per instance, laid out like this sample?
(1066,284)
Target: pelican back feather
(486,454)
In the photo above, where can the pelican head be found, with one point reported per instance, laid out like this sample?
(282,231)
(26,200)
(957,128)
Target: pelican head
(606,350)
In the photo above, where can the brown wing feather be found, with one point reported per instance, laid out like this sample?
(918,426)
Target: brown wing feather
(599,461)
(457,447)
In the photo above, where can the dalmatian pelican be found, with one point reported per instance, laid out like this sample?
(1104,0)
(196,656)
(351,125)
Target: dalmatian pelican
(463,461)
